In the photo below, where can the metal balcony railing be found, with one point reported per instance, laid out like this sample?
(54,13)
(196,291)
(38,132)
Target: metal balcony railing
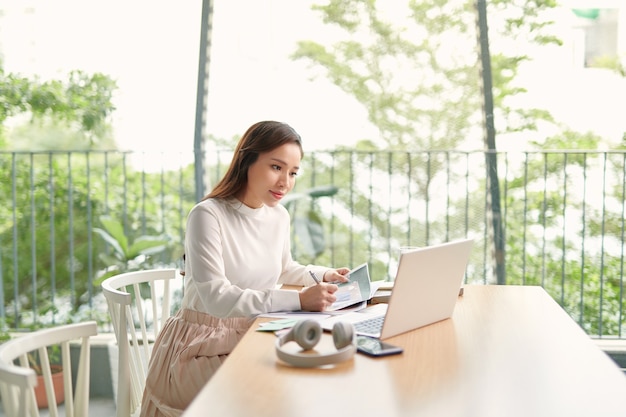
(561,215)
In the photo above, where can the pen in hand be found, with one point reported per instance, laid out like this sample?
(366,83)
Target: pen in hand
(315,278)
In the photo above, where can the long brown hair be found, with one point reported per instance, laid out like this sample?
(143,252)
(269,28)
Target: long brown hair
(259,138)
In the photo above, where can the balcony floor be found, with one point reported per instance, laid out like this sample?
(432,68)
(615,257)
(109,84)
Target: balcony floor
(98,407)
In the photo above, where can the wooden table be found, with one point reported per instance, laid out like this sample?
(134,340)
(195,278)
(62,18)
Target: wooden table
(507,351)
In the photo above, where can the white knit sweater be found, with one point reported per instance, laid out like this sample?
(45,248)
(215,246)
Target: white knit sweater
(236,256)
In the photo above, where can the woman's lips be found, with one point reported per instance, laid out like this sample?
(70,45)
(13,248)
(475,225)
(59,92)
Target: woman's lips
(277,195)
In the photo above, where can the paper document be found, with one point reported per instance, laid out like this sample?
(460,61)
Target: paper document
(351,296)
(347,294)
(300,315)
(357,290)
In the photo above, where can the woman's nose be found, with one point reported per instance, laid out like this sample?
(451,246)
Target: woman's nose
(283,180)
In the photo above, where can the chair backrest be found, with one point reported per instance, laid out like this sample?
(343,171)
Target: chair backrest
(18,379)
(137,316)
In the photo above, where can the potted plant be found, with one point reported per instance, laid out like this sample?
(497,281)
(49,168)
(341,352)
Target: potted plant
(56,368)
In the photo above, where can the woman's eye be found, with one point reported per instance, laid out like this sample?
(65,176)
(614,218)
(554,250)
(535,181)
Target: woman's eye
(294,174)
(276,167)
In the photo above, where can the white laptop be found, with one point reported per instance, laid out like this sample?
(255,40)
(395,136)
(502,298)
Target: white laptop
(425,291)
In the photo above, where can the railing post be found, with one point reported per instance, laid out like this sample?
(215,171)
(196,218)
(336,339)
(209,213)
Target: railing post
(490,144)
(201,96)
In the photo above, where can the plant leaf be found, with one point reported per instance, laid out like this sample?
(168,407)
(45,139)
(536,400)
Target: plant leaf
(147,245)
(322,191)
(310,234)
(116,230)
(111,241)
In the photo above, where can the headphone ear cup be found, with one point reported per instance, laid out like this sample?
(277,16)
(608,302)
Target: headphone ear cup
(307,333)
(343,334)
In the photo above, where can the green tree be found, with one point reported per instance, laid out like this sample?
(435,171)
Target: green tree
(81,105)
(418,77)
(557,244)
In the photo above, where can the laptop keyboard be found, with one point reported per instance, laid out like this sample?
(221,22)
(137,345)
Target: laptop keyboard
(373,325)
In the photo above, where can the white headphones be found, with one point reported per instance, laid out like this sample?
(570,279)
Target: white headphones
(307,333)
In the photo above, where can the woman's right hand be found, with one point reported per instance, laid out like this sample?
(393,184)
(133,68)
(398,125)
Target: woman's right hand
(318,297)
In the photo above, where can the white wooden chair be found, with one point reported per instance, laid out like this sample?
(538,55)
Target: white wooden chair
(137,319)
(18,380)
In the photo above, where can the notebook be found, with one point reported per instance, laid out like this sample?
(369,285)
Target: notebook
(425,291)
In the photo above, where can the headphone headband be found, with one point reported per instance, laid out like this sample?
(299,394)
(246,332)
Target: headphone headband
(307,333)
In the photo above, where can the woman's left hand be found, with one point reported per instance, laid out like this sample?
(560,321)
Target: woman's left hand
(338,275)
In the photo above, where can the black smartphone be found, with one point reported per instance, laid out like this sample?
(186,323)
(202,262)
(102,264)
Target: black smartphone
(375,347)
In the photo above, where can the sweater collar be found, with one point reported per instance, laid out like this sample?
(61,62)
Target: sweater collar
(245,210)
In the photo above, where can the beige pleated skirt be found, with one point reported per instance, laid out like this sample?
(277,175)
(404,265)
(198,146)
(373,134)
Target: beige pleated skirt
(189,349)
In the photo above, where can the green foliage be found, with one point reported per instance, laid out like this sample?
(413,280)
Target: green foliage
(554,221)
(127,255)
(394,71)
(419,78)
(613,63)
(419,82)
(54,357)
(44,256)
(83,102)
(308,240)
(4,332)
(49,254)
(47,242)
(45,133)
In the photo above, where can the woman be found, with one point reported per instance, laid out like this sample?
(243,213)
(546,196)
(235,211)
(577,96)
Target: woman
(237,250)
